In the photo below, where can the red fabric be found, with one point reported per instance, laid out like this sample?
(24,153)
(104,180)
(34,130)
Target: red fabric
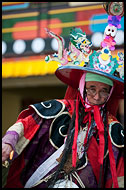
(69,105)
(13,179)
(71,93)
(25,113)
(30,125)
(92,155)
(100,127)
(120,167)
(112,163)
(112,105)
(85,121)
(113,102)
(108,183)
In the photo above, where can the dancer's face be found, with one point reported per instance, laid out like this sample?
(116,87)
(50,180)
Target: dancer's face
(97,92)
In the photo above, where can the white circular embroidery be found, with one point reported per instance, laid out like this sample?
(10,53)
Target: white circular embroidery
(122,133)
(49,106)
(61,132)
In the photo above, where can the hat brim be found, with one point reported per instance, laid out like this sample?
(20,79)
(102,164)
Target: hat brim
(71,75)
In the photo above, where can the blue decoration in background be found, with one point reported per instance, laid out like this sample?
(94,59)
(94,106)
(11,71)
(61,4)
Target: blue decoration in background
(12,7)
(100,27)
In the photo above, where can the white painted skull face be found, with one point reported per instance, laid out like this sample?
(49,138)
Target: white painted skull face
(110,31)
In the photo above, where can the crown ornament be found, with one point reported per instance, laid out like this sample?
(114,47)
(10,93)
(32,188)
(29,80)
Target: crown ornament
(80,50)
(103,61)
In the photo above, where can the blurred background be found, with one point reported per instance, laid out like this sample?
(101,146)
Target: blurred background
(26,77)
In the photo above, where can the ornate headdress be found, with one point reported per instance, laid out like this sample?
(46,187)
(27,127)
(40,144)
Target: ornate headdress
(79,58)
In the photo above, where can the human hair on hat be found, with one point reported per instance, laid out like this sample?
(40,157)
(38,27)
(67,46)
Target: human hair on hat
(98,78)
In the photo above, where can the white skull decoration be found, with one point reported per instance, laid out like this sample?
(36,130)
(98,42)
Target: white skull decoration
(110,31)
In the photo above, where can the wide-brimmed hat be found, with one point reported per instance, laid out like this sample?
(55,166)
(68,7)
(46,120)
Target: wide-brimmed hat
(101,63)
(71,76)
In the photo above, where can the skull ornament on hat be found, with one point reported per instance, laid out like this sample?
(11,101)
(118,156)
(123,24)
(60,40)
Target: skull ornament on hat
(111,31)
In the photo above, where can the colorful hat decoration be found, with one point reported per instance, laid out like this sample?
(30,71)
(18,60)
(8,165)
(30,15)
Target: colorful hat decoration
(114,21)
(120,68)
(79,48)
(100,62)
(111,31)
(103,61)
(79,40)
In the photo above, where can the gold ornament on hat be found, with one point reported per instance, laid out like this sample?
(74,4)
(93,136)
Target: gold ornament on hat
(114,8)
